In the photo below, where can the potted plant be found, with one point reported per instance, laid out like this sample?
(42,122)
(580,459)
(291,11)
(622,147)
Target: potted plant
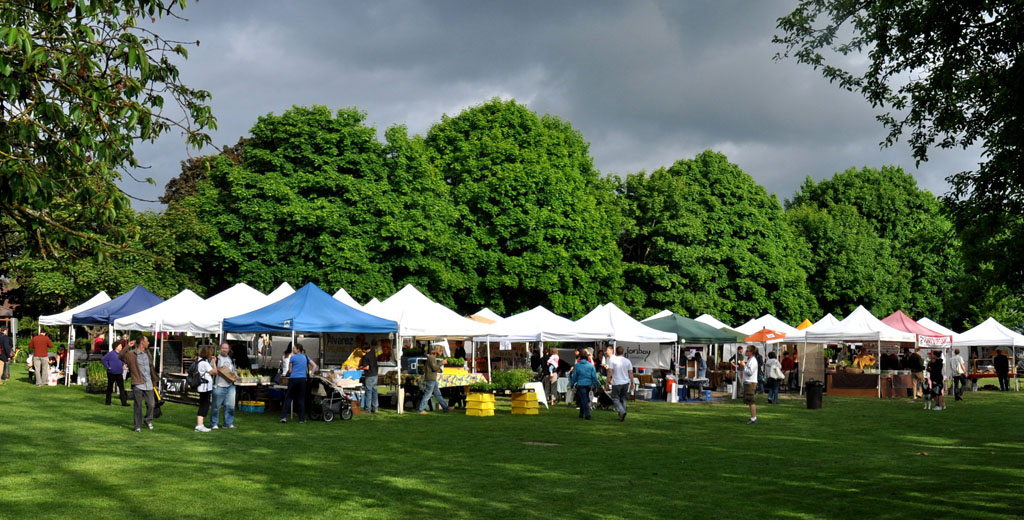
(96,376)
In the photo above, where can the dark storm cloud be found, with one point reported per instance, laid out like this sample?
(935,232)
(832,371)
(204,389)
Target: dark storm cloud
(647,83)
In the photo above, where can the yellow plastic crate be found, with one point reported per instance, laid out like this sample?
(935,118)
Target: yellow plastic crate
(471,405)
(482,398)
(525,411)
(479,413)
(525,404)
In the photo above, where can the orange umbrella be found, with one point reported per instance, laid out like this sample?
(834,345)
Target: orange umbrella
(804,324)
(766,336)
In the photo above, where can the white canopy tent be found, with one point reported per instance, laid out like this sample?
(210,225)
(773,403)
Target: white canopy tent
(152,318)
(811,357)
(64,318)
(206,317)
(537,325)
(991,333)
(488,314)
(282,291)
(927,322)
(343,297)
(421,317)
(708,319)
(610,322)
(657,315)
(793,335)
(860,326)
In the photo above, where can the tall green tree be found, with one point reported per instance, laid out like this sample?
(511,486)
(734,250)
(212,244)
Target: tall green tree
(850,264)
(704,237)
(315,197)
(80,82)
(541,223)
(921,237)
(946,75)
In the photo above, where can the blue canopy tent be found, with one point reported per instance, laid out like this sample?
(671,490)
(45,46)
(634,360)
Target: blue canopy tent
(309,309)
(135,300)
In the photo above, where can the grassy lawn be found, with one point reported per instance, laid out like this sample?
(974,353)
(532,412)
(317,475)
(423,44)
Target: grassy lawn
(67,455)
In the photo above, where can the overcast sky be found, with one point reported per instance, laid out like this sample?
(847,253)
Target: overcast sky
(647,83)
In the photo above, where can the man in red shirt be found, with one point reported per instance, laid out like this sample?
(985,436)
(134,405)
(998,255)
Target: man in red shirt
(40,346)
(787,368)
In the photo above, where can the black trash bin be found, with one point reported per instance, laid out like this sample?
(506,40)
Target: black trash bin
(815,390)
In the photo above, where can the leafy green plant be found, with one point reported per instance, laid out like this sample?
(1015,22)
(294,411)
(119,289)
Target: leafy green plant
(455,362)
(481,387)
(511,379)
(97,375)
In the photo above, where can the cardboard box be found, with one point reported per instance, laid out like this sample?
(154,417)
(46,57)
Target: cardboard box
(223,371)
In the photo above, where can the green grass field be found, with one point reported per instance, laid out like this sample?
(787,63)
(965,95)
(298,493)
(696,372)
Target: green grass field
(66,455)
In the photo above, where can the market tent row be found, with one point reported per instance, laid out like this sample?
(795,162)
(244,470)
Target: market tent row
(793,335)
(420,317)
(150,319)
(645,346)
(991,333)
(926,337)
(344,297)
(538,325)
(708,319)
(688,330)
(206,317)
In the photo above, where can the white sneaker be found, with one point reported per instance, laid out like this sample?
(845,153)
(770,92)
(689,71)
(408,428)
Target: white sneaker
(937,408)
(215,427)
(202,429)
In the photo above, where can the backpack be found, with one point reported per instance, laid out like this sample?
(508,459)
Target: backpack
(194,379)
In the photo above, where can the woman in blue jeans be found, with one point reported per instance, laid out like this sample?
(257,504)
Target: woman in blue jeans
(584,378)
(773,373)
(300,366)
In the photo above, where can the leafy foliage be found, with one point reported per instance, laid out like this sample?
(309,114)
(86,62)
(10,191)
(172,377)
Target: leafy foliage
(880,240)
(704,237)
(79,83)
(540,223)
(948,75)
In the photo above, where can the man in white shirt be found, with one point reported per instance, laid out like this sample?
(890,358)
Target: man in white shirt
(620,379)
(959,375)
(750,382)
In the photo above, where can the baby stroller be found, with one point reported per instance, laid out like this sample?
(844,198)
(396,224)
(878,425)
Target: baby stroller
(604,401)
(332,403)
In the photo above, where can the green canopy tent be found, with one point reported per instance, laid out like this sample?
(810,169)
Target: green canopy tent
(693,331)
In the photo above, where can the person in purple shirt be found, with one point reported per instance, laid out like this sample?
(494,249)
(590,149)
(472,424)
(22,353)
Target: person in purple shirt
(115,373)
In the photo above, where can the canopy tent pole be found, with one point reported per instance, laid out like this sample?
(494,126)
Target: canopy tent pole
(803,366)
(879,360)
(110,337)
(489,379)
(400,389)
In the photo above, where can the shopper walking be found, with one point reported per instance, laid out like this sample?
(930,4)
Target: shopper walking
(207,371)
(6,355)
(432,368)
(115,374)
(551,375)
(959,375)
(40,347)
(750,373)
(300,367)
(1002,366)
(936,378)
(620,379)
(143,376)
(370,370)
(584,378)
(774,377)
(224,390)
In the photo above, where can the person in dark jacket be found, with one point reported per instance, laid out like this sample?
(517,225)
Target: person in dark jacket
(115,374)
(6,355)
(584,378)
(1002,366)
(143,375)
(370,370)
(915,364)
(432,368)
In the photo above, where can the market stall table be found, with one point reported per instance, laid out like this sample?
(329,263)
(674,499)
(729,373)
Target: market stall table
(854,384)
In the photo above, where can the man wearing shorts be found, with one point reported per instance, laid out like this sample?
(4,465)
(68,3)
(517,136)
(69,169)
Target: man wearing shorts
(750,371)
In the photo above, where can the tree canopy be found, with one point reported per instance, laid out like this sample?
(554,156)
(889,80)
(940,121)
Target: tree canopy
(947,75)
(704,237)
(879,239)
(80,82)
(541,224)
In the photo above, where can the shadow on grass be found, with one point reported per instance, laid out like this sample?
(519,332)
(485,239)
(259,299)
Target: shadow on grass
(854,458)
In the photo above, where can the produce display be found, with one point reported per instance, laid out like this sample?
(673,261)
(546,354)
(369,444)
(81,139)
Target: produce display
(251,378)
(864,361)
